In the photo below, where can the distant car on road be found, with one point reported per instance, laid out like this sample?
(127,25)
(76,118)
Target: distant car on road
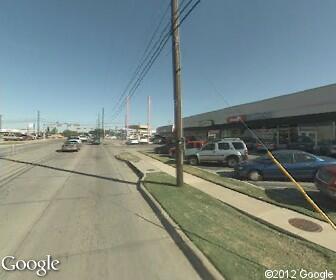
(75,142)
(301,165)
(132,142)
(325,180)
(75,138)
(229,150)
(70,146)
(83,138)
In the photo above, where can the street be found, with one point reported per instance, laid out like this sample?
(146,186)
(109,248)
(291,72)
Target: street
(84,210)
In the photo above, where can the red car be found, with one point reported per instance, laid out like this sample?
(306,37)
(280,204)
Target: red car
(325,180)
(189,145)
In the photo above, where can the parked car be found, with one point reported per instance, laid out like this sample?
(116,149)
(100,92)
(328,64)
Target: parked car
(191,147)
(157,139)
(326,148)
(325,180)
(230,151)
(301,165)
(164,149)
(70,146)
(265,146)
(303,143)
(143,140)
(132,142)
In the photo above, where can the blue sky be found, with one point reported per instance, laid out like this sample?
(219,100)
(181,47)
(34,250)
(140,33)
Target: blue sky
(70,58)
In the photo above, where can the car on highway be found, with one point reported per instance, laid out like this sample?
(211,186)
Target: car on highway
(301,165)
(83,138)
(75,142)
(230,151)
(75,138)
(325,181)
(70,146)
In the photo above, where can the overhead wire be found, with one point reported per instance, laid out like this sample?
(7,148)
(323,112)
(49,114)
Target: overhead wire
(155,54)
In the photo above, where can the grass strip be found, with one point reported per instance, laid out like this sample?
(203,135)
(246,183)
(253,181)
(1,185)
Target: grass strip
(126,156)
(286,197)
(239,246)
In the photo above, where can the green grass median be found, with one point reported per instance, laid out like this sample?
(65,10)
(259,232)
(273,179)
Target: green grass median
(239,246)
(287,197)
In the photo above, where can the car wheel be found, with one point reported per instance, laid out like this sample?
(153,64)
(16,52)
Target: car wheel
(193,160)
(254,175)
(232,161)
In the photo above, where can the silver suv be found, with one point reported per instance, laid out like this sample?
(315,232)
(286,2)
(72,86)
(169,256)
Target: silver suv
(228,150)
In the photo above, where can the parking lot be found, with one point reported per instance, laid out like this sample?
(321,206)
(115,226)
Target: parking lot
(225,171)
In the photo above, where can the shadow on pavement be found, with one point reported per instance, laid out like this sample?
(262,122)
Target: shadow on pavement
(292,196)
(70,171)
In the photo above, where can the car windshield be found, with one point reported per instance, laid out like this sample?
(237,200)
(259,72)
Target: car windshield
(238,145)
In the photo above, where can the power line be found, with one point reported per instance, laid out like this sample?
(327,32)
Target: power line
(157,52)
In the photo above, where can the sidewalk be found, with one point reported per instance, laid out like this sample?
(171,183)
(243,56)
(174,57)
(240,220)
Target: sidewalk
(267,212)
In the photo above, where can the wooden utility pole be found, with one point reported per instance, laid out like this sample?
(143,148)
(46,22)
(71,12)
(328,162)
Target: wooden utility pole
(148,118)
(127,116)
(175,14)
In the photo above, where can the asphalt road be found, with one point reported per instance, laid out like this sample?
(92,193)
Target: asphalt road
(84,210)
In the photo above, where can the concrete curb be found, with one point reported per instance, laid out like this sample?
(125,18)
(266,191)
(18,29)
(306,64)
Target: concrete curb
(198,260)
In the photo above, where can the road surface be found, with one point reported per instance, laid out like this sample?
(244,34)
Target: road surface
(84,210)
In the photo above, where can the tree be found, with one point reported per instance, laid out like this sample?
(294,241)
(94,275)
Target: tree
(68,133)
(54,131)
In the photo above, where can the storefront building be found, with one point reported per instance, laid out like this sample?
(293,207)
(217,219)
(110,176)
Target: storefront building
(280,120)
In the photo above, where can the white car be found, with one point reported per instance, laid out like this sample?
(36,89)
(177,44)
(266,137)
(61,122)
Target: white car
(83,138)
(132,142)
(143,140)
(75,138)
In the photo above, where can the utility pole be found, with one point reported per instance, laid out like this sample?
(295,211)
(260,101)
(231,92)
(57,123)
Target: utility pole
(175,21)
(127,116)
(103,117)
(38,123)
(148,118)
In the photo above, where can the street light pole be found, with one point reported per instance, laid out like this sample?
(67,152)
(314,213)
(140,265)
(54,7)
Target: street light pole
(177,91)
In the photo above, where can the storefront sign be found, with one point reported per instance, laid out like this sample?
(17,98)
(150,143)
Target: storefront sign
(259,116)
(236,119)
(206,123)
